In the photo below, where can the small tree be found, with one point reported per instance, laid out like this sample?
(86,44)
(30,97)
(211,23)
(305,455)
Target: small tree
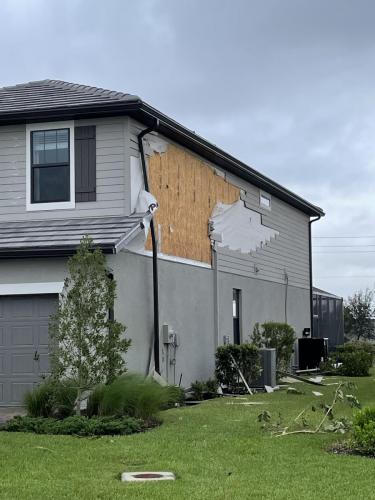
(359,316)
(87,344)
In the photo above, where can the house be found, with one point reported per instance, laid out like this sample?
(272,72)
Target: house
(201,245)
(328,311)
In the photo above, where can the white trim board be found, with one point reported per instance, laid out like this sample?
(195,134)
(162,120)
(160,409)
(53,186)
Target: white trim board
(31,288)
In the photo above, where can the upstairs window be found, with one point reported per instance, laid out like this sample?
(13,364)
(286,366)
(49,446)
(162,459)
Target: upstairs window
(265,200)
(50,172)
(50,166)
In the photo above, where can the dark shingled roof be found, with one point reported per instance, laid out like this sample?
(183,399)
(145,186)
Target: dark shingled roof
(51,94)
(62,236)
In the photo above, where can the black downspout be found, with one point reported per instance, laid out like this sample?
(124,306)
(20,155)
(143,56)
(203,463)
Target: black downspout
(311,277)
(154,251)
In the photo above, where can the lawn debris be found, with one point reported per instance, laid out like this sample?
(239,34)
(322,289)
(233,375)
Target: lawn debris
(293,390)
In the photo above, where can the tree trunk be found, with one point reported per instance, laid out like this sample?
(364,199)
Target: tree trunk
(78,401)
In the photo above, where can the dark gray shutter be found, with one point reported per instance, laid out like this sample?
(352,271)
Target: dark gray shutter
(85,163)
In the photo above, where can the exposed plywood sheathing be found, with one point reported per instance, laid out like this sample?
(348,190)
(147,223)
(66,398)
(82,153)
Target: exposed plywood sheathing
(187,190)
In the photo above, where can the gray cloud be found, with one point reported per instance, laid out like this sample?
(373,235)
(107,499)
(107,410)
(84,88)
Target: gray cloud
(285,85)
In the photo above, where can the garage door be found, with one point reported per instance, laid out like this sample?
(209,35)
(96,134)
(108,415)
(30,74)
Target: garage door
(24,344)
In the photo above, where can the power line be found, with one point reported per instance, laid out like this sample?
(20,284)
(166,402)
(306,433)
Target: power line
(340,237)
(345,252)
(343,276)
(342,246)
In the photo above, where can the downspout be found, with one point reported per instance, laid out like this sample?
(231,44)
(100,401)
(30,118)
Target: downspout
(311,278)
(154,242)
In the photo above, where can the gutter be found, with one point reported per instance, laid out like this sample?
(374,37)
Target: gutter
(155,277)
(311,277)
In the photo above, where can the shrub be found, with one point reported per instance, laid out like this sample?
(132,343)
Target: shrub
(279,336)
(51,398)
(75,425)
(132,395)
(247,358)
(204,390)
(356,359)
(364,431)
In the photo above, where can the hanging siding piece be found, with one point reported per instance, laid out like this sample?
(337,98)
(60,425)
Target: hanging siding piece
(240,228)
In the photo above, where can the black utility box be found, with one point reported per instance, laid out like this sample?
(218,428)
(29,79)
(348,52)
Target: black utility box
(311,352)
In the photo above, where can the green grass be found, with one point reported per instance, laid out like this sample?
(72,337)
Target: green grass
(216,450)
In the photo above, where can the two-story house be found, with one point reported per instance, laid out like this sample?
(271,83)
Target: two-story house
(201,245)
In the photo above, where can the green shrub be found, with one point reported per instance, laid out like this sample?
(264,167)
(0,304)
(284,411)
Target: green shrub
(356,359)
(75,425)
(204,390)
(132,395)
(51,398)
(247,358)
(279,336)
(364,431)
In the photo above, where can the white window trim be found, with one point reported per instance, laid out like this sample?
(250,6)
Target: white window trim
(31,288)
(265,195)
(61,205)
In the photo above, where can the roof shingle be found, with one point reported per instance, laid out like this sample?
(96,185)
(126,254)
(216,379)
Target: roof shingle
(52,94)
(62,236)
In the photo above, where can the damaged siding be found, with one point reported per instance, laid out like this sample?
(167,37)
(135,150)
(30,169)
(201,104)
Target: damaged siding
(112,169)
(179,178)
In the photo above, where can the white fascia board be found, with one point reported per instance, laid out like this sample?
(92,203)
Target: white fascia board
(34,207)
(31,288)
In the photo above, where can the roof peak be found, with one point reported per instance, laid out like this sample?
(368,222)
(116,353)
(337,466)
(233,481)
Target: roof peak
(69,92)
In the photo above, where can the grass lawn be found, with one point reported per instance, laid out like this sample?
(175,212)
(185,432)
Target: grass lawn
(216,450)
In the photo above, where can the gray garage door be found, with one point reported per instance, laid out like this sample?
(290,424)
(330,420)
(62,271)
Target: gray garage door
(23,344)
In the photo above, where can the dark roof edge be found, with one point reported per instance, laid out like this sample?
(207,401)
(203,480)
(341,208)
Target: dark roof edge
(172,129)
(52,251)
(182,135)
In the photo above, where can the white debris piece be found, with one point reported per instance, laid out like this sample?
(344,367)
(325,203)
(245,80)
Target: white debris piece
(316,393)
(269,389)
(240,228)
(316,379)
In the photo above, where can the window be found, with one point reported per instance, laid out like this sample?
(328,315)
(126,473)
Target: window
(265,200)
(236,312)
(50,166)
(50,169)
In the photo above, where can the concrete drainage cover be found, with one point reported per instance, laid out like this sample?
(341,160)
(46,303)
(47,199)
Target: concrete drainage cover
(147,476)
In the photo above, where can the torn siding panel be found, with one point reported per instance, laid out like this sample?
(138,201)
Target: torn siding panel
(187,190)
(288,252)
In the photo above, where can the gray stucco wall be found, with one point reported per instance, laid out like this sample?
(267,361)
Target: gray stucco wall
(186,305)
(261,301)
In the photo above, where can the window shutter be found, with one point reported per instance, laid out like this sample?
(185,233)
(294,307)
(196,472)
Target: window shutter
(85,163)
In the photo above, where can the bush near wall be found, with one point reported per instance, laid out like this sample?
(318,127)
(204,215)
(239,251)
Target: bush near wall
(75,425)
(129,404)
(247,358)
(356,358)
(52,399)
(364,432)
(279,336)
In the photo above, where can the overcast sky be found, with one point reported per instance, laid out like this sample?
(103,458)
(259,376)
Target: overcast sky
(287,86)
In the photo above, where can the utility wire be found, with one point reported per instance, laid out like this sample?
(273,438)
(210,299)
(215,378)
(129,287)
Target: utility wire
(340,237)
(345,251)
(342,246)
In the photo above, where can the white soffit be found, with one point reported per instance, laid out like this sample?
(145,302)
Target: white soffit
(31,288)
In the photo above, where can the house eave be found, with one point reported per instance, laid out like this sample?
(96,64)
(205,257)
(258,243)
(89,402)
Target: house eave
(147,115)
(47,252)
